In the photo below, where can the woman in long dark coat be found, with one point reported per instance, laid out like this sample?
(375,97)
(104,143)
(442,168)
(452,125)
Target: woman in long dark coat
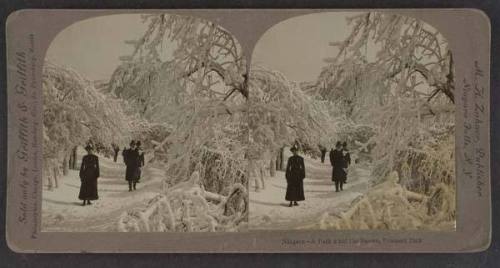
(89,172)
(338,167)
(295,174)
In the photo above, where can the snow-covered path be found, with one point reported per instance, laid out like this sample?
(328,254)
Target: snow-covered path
(63,211)
(269,209)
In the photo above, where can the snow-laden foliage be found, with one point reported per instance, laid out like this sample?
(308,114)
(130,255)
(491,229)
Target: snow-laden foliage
(189,75)
(74,112)
(281,113)
(404,91)
(391,206)
(402,95)
(187,207)
(186,56)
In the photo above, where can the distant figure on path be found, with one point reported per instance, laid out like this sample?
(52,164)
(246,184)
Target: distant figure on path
(116,149)
(295,174)
(89,172)
(323,153)
(131,159)
(338,164)
(347,158)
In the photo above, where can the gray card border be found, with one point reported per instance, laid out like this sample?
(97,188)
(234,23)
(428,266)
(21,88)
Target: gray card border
(468,32)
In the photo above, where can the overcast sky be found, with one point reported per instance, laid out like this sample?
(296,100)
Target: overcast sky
(93,46)
(296,46)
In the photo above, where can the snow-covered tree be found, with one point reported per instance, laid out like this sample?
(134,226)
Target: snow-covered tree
(397,73)
(74,112)
(189,75)
(393,75)
(282,113)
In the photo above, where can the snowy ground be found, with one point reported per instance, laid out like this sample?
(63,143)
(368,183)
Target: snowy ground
(62,211)
(269,209)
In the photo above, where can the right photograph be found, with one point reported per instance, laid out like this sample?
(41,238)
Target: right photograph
(352,125)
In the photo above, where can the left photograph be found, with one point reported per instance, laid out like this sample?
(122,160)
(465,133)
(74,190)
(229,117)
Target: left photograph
(145,127)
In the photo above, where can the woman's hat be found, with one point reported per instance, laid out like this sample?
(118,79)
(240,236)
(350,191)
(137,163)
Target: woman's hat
(89,147)
(293,149)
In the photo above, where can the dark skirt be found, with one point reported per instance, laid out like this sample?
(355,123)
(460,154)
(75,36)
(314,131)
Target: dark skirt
(338,174)
(88,189)
(295,191)
(131,173)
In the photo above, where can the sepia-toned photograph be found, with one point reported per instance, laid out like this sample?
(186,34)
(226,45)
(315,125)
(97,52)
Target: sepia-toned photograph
(248,131)
(349,124)
(352,125)
(144,127)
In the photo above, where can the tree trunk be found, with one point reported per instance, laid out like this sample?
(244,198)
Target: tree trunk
(56,176)
(262,175)
(65,165)
(50,179)
(52,175)
(272,167)
(72,159)
(279,159)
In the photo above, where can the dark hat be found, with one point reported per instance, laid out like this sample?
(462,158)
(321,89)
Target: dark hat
(132,143)
(338,144)
(138,143)
(344,144)
(89,147)
(293,149)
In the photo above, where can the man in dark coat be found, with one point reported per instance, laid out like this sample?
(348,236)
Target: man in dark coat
(131,159)
(89,172)
(338,167)
(323,153)
(140,160)
(347,158)
(295,174)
